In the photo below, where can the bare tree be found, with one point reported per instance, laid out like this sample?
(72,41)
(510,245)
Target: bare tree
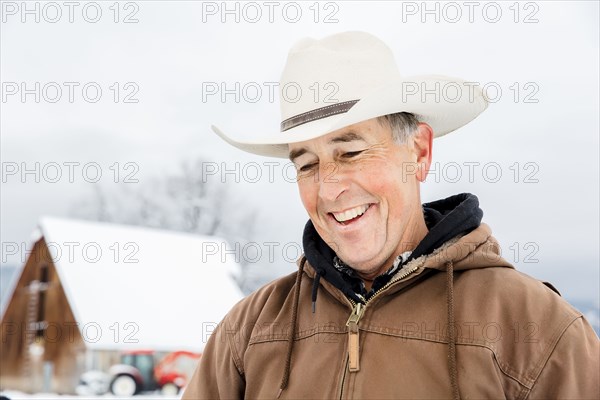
(185,202)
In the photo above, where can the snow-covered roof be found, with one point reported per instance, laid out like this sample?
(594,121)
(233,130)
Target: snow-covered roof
(134,288)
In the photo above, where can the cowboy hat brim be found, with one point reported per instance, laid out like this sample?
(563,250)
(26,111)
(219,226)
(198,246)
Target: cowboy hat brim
(444,103)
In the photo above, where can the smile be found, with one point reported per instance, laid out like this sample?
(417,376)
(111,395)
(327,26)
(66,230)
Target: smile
(351,214)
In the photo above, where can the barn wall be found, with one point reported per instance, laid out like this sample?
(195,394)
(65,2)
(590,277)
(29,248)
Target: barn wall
(28,349)
(14,328)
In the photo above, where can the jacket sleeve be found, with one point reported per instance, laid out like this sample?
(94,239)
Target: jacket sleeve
(573,369)
(219,374)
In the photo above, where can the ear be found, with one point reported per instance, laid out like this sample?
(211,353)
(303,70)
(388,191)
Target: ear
(423,144)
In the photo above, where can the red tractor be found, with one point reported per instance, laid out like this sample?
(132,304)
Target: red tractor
(138,372)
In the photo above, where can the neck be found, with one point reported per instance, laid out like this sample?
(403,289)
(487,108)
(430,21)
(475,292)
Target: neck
(414,233)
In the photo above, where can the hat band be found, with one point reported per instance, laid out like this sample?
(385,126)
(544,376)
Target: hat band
(317,114)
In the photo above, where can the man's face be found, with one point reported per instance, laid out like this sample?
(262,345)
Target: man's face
(361,191)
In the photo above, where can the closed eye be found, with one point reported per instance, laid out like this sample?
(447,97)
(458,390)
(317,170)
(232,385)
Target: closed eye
(351,154)
(307,167)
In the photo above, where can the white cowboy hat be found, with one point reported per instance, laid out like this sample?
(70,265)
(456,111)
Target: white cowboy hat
(351,77)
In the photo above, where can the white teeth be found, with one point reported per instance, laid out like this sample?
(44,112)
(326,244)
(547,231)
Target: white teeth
(352,213)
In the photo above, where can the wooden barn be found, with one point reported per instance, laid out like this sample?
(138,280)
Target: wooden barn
(89,291)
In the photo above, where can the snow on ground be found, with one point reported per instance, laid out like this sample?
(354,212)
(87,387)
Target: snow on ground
(15,395)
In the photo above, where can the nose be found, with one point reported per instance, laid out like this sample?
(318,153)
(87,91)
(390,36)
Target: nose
(332,182)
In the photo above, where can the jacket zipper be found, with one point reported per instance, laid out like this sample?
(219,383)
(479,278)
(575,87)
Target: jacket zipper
(358,310)
(353,337)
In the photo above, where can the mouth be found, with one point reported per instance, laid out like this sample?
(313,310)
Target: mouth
(351,215)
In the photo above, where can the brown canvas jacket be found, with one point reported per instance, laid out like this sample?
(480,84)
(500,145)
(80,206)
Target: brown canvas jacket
(513,337)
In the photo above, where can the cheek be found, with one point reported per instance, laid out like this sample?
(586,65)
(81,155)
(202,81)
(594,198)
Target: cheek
(382,182)
(387,185)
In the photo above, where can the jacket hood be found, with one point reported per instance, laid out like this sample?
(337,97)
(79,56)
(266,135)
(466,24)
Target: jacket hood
(447,218)
(477,249)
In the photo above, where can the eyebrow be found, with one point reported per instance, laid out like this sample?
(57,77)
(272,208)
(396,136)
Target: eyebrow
(297,153)
(345,138)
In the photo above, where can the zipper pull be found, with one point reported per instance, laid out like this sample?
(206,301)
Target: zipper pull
(353,337)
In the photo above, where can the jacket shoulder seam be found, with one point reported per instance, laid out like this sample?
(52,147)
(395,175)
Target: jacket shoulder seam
(239,365)
(544,360)
(240,313)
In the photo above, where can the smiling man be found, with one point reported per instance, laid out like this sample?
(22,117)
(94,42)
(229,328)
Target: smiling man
(392,298)
(366,204)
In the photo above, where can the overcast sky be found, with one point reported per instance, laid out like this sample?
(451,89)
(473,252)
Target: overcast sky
(539,61)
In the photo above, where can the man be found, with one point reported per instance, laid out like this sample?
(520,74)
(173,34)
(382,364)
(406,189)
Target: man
(392,299)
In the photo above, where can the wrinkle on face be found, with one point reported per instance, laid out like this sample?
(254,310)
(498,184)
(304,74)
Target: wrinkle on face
(359,165)
(376,152)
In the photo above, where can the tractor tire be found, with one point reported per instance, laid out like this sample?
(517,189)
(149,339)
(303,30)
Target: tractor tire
(169,389)
(123,386)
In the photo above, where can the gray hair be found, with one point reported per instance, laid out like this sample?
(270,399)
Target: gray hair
(403,125)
